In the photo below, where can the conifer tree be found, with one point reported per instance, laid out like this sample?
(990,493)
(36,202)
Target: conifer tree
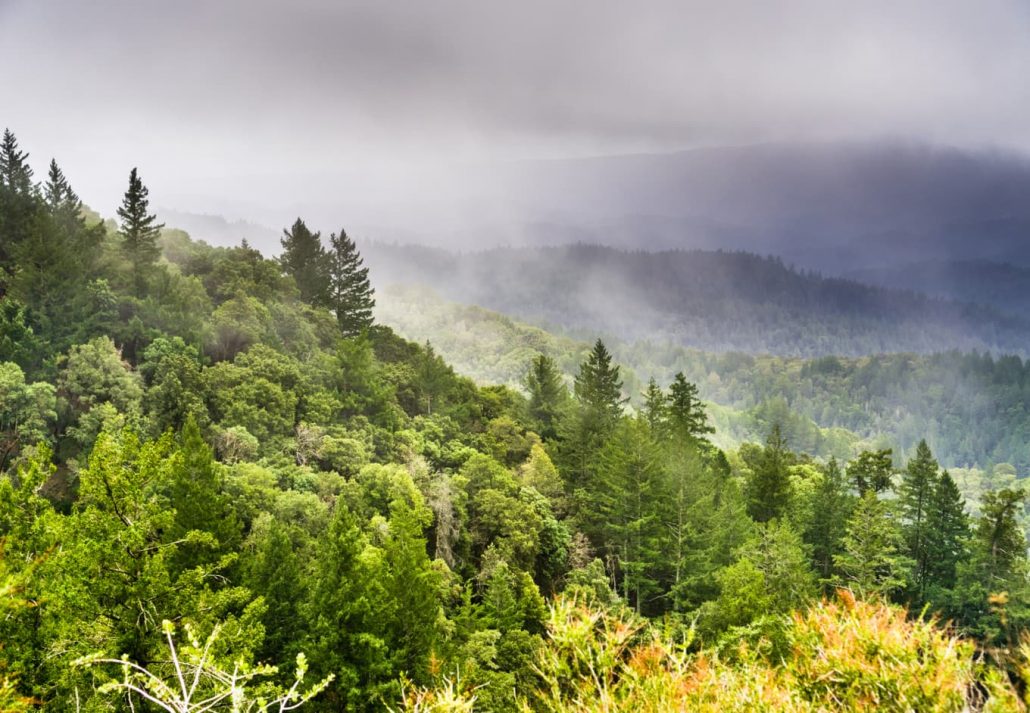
(873,561)
(599,403)
(687,415)
(598,386)
(139,230)
(656,408)
(305,260)
(768,488)
(918,483)
(548,396)
(18,204)
(947,533)
(15,172)
(622,509)
(831,507)
(351,296)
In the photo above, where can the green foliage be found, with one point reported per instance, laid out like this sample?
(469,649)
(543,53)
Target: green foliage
(139,230)
(768,487)
(873,560)
(350,295)
(201,440)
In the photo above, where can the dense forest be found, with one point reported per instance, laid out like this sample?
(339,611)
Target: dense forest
(970,407)
(226,487)
(715,301)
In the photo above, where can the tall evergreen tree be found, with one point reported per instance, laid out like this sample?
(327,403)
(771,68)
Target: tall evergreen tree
(15,172)
(831,507)
(18,204)
(621,507)
(351,296)
(768,488)
(687,415)
(548,395)
(656,408)
(947,533)
(873,561)
(598,386)
(918,482)
(599,403)
(305,260)
(140,231)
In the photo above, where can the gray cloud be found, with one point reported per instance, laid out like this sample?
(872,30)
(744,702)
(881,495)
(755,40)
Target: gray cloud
(258,107)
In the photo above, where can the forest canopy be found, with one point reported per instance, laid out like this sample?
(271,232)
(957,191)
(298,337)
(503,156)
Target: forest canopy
(217,460)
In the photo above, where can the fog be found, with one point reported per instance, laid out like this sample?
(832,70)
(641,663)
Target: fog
(441,122)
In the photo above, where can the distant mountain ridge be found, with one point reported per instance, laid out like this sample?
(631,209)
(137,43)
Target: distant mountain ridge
(716,301)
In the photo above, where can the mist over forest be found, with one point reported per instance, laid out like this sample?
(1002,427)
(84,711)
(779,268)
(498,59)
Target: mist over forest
(463,357)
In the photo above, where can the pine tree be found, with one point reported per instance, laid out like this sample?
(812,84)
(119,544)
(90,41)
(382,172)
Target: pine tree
(305,260)
(656,408)
(351,296)
(687,416)
(831,507)
(548,395)
(768,488)
(598,387)
(18,204)
(918,482)
(872,561)
(947,533)
(621,508)
(201,508)
(140,231)
(599,402)
(15,172)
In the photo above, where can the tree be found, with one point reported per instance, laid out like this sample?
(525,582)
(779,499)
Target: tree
(655,410)
(918,482)
(872,470)
(139,231)
(768,488)
(598,391)
(991,595)
(831,507)
(304,259)
(18,204)
(351,296)
(548,395)
(873,560)
(598,386)
(204,519)
(947,533)
(687,416)
(621,509)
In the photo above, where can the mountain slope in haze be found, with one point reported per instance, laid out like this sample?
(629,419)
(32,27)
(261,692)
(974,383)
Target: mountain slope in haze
(715,301)
(1000,285)
(972,409)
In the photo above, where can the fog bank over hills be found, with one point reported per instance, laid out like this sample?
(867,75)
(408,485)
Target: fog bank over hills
(833,206)
(719,301)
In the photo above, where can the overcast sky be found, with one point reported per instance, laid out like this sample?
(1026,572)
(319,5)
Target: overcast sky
(241,105)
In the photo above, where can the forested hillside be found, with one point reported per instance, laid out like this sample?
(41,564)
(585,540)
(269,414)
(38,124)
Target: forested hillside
(225,487)
(972,408)
(715,301)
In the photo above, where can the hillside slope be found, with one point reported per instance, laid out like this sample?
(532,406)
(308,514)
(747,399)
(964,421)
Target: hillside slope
(971,408)
(715,301)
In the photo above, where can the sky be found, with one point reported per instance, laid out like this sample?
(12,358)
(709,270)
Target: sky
(255,109)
